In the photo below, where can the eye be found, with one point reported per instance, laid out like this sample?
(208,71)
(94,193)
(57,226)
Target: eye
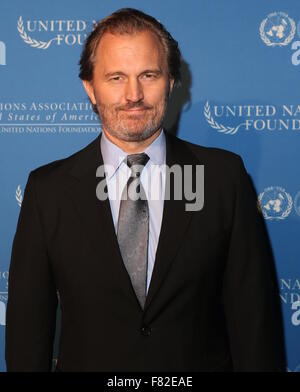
(149,76)
(116,78)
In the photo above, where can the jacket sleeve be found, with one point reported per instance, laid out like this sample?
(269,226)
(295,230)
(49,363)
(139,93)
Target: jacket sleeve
(250,291)
(32,298)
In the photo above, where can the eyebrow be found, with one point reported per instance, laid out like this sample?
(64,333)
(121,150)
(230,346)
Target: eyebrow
(156,71)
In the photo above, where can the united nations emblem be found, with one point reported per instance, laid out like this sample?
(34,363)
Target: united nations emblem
(297,203)
(275,203)
(277,29)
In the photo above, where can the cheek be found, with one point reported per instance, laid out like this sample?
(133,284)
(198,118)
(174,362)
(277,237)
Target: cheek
(108,96)
(155,95)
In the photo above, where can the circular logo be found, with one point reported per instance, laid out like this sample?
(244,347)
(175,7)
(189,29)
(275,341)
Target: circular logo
(297,203)
(275,203)
(278,29)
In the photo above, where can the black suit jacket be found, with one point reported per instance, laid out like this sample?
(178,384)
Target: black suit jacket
(212,303)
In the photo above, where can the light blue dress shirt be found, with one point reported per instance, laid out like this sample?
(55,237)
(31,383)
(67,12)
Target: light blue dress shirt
(153,181)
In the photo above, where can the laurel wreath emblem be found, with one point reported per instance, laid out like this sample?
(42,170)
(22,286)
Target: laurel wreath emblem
(285,213)
(268,42)
(214,124)
(297,208)
(19,196)
(30,41)
(2,313)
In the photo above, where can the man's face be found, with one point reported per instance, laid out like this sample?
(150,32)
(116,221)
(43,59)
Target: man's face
(130,85)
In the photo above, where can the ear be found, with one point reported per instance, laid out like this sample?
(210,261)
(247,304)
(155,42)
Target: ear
(171,85)
(88,86)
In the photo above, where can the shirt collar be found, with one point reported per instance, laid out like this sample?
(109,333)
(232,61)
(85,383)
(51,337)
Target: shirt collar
(113,156)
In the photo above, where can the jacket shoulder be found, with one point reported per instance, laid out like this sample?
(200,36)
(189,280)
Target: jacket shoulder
(59,167)
(213,156)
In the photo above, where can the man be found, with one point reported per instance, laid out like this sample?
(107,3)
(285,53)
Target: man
(144,284)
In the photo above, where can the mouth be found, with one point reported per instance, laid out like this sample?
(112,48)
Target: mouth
(135,113)
(135,110)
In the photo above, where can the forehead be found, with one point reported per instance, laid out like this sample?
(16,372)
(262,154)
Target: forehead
(141,48)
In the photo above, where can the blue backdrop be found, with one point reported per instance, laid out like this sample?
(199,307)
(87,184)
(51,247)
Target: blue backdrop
(241,92)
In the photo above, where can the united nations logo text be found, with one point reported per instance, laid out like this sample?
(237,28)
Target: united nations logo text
(41,34)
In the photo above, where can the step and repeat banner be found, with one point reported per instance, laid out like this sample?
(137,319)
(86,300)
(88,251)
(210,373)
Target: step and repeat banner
(240,92)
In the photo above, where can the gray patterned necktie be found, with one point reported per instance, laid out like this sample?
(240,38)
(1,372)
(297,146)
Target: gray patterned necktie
(133,226)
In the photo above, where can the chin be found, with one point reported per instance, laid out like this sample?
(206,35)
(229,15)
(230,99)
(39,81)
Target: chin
(137,135)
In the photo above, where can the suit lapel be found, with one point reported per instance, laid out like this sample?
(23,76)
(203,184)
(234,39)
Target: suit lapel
(175,219)
(96,215)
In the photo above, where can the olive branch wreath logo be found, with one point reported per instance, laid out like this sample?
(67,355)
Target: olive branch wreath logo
(19,196)
(30,41)
(219,127)
(284,214)
(268,42)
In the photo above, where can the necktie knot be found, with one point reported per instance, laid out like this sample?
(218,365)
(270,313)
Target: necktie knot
(137,162)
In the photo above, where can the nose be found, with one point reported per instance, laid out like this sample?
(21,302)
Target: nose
(134,90)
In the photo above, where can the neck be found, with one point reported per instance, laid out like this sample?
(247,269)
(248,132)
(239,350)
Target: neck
(131,147)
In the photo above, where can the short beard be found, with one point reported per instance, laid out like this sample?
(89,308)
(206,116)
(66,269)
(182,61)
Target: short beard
(121,132)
